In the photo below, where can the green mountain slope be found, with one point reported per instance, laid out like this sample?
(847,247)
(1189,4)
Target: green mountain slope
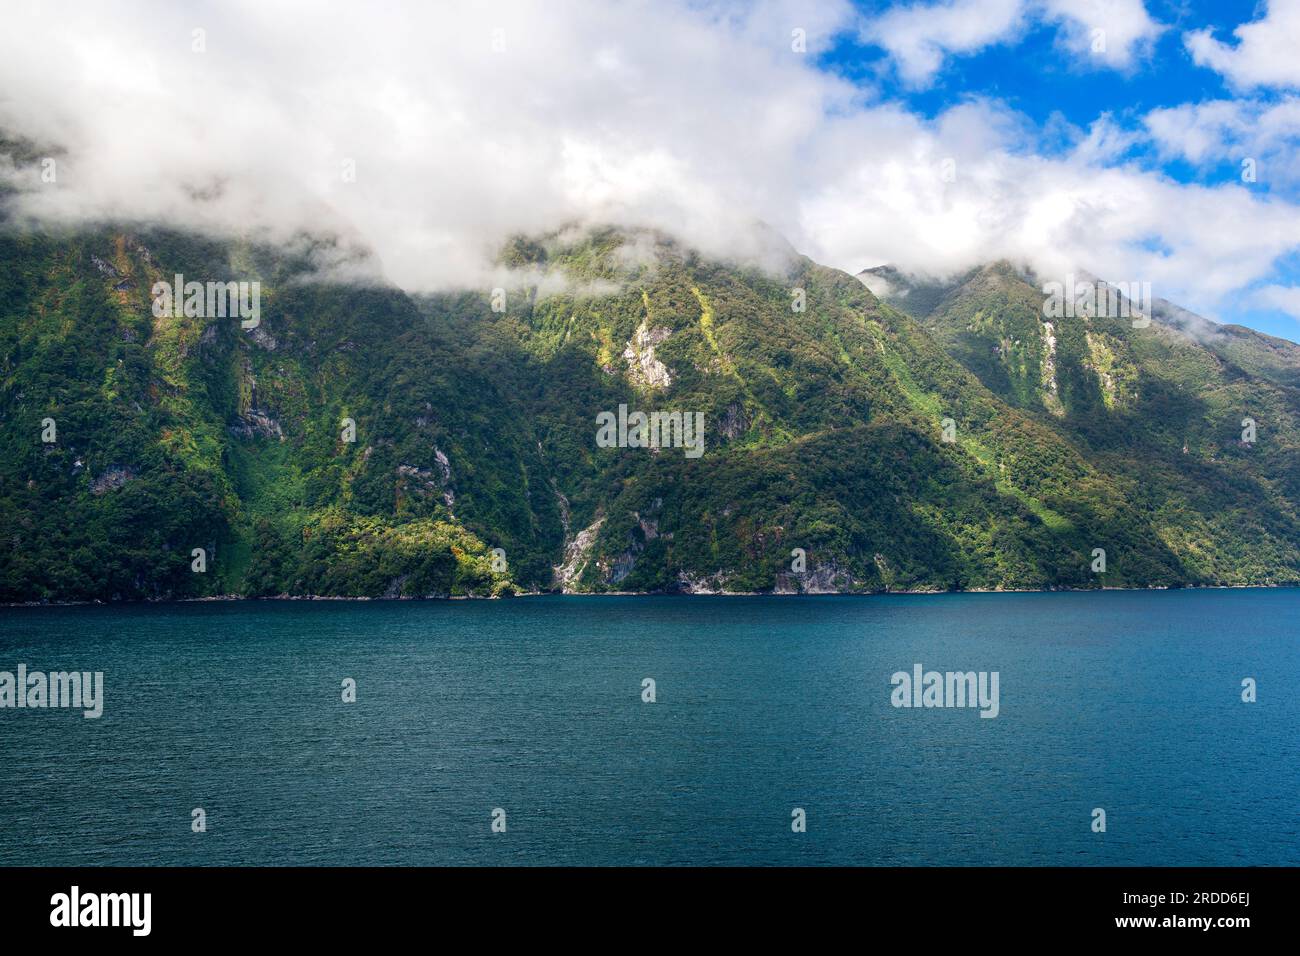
(1162,408)
(476,423)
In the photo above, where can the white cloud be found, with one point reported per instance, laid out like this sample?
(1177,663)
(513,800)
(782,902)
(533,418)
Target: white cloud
(920,37)
(1265,53)
(1267,133)
(1196,245)
(1197,132)
(654,113)
(1112,33)
(1284,298)
(698,120)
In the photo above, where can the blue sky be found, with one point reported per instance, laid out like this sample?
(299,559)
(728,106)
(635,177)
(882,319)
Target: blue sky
(1026,71)
(1105,136)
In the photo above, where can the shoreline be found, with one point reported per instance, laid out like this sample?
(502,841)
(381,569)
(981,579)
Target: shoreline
(221,598)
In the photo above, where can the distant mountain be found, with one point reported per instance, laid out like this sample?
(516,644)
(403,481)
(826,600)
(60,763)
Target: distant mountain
(478,422)
(1160,408)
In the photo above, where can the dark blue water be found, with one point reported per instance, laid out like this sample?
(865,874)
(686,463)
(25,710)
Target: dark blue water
(1126,701)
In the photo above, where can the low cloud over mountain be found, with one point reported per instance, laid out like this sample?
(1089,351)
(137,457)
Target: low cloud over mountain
(431,134)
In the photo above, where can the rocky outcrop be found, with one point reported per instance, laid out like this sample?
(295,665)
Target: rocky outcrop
(1051,395)
(263,338)
(734,422)
(576,555)
(702,584)
(444,466)
(643,368)
(114,477)
(256,422)
(824,579)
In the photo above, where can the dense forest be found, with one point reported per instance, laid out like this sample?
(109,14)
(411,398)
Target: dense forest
(360,441)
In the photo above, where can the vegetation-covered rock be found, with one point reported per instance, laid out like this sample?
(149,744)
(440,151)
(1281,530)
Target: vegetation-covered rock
(472,465)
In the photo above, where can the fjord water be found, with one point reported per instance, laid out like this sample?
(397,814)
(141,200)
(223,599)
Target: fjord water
(1128,701)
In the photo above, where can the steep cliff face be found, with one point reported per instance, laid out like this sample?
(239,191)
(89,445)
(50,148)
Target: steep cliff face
(358,441)
(1200,421)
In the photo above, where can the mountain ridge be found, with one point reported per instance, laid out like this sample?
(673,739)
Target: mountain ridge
(475,429)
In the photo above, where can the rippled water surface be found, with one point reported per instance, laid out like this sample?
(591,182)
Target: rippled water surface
(1128,701)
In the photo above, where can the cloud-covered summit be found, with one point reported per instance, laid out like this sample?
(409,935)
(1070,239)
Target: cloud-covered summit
(431,133)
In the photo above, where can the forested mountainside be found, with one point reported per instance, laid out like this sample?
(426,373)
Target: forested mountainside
(360,441)
(1196,419)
